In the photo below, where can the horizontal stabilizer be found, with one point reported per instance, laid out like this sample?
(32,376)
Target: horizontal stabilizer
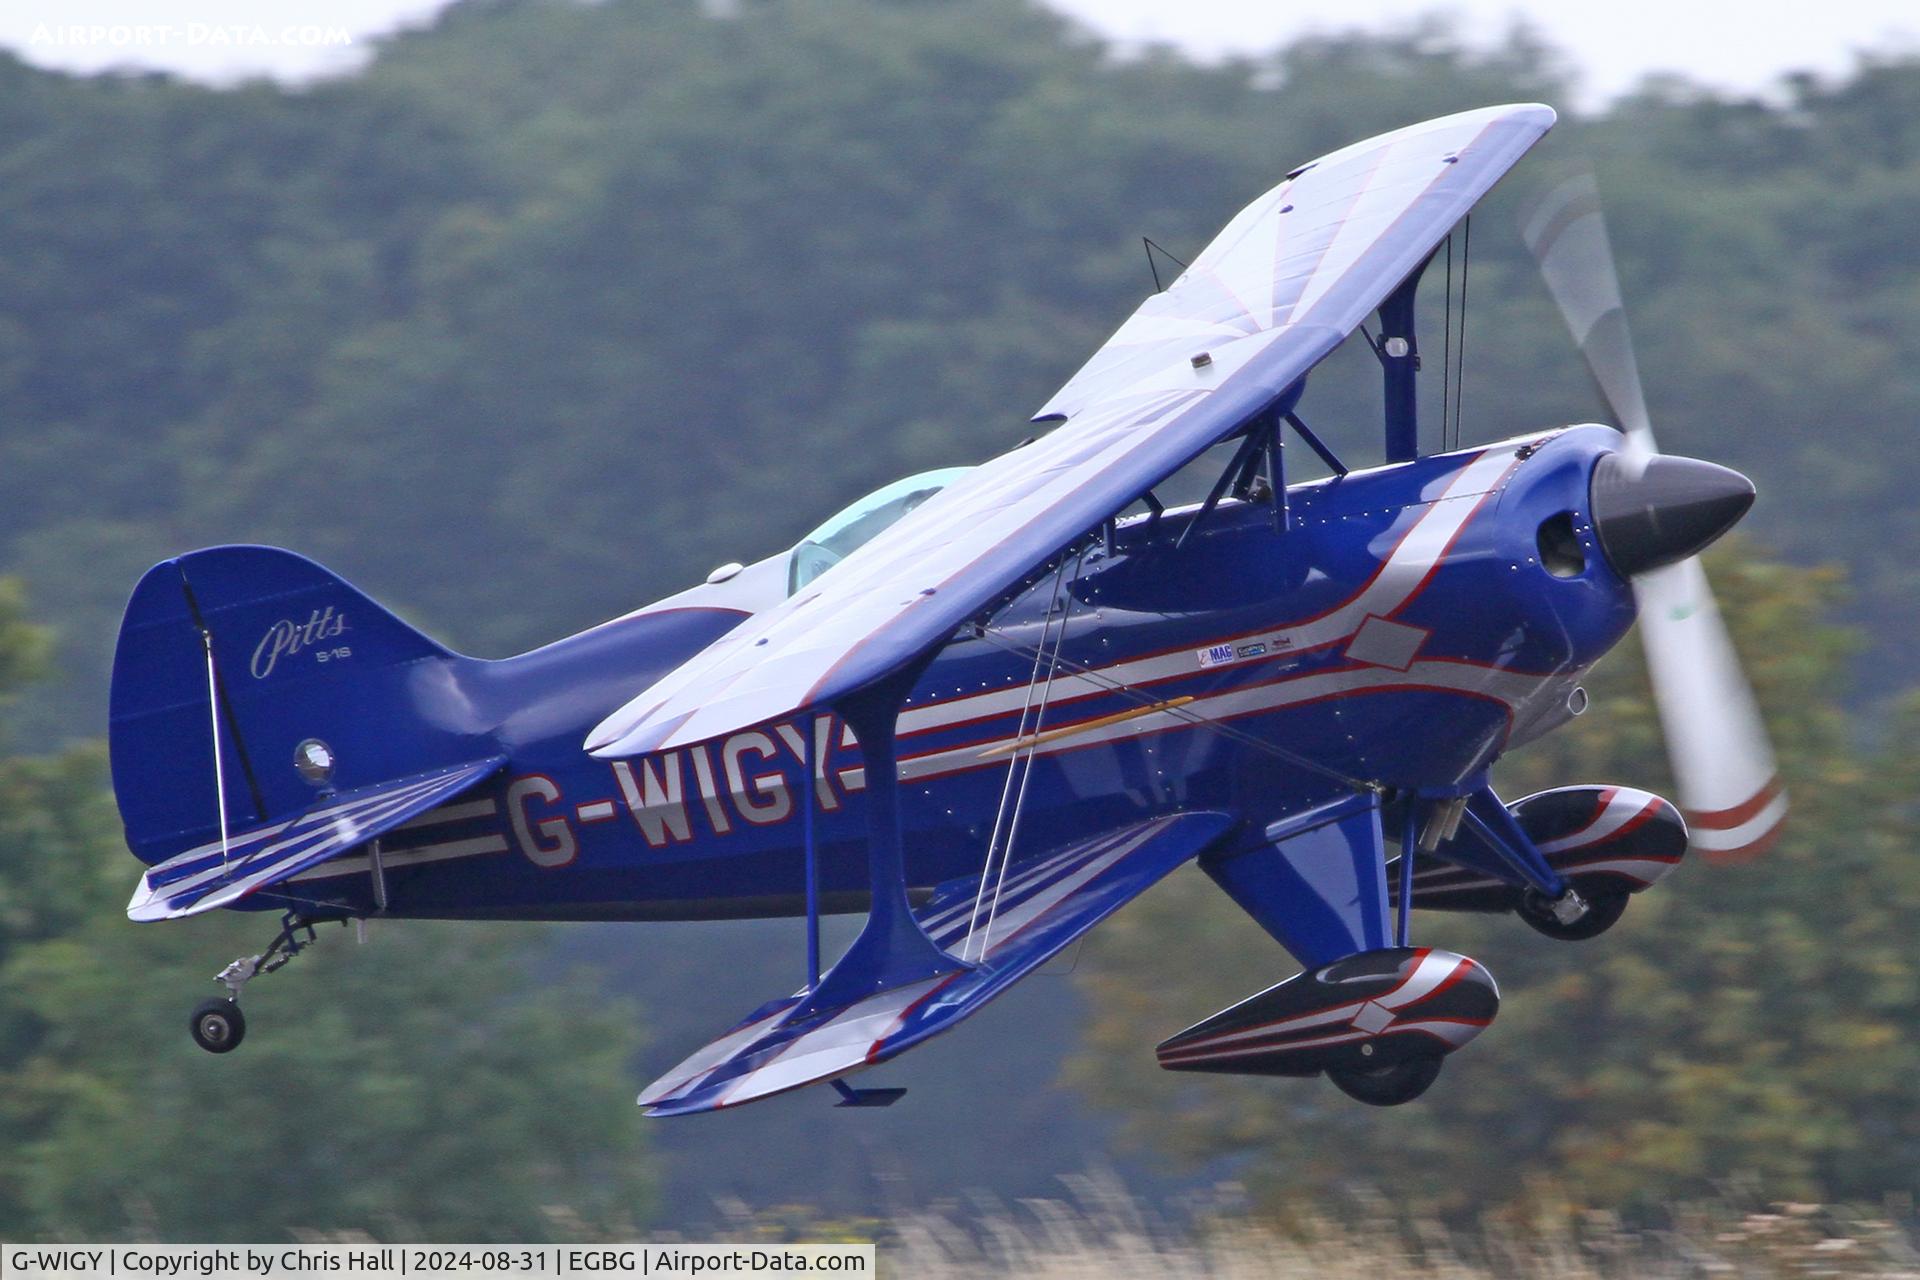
(1045,904)
(257,856)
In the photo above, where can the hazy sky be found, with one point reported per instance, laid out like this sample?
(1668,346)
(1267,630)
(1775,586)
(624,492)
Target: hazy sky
(1740,44)
(1728,43)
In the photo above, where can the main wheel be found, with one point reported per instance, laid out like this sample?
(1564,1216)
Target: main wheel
(1387,1086)
(1603,911)
(218,1026)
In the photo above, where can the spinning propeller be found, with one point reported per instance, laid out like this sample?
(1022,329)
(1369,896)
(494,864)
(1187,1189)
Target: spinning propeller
(1651,514)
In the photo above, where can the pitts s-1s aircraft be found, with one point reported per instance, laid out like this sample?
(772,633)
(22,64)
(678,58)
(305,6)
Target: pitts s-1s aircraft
(989,706)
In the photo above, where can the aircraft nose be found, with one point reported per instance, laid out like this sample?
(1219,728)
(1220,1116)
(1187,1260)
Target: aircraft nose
(1660,513)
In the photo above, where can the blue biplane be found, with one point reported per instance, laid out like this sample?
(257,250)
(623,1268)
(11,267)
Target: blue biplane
(989,706)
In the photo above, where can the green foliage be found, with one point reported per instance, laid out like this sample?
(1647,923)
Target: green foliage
(444,1082)
(559,304)
(1741,1020)
(23,646)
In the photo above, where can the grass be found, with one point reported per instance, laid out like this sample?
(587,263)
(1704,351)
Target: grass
(1098,1230)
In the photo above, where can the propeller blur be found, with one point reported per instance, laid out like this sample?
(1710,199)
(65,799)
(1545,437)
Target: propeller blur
(1716,742)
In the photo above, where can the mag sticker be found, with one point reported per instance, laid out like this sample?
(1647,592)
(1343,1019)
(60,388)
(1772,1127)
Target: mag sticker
(1216,655)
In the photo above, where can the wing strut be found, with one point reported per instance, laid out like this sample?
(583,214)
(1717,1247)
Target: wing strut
(1245,458)
(1318,445)
(1399,361)
(892,949)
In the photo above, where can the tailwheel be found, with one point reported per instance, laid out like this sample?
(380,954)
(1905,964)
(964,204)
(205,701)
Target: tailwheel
(1387,1086)
(218,1026)
(1603,911)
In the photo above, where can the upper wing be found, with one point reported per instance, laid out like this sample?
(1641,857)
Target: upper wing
(1275,292)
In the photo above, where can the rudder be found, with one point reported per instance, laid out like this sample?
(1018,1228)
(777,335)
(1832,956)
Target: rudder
(297,653)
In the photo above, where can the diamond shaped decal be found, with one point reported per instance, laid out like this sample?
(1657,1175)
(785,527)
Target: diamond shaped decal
(1383,643)
(1372,1018)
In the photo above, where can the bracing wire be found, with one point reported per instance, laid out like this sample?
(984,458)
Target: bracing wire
(1153,266)
(1008,801)
(1032,753)
(1446,349)
(1006,789)
(1190,716)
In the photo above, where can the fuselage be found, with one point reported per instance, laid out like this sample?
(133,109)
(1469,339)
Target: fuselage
(1409,624)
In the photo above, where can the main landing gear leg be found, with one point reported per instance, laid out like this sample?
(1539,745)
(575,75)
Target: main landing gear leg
(217,1025)
(1550,904)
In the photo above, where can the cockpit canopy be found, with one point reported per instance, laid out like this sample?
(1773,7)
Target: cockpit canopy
(860,523)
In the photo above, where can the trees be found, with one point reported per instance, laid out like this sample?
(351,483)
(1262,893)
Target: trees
(558,304)
(1749,1019)
(444,1082)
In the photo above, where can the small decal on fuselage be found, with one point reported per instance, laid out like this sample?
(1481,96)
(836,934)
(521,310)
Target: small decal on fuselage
(1216,655)
(1220,655)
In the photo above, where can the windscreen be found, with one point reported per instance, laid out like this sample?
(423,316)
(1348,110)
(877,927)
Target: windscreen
(856,525)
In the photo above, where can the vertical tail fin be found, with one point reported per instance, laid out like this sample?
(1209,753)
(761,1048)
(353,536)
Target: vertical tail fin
(297,654)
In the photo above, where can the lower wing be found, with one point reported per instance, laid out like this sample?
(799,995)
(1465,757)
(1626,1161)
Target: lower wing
(1045,903)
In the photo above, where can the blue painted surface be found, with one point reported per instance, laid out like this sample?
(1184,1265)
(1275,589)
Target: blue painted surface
(1054,902)
(591,839)
(1399,372)
(1490,820)
(1322,894)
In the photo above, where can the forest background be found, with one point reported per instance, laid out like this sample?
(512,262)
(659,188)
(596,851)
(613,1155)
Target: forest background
(554,306)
